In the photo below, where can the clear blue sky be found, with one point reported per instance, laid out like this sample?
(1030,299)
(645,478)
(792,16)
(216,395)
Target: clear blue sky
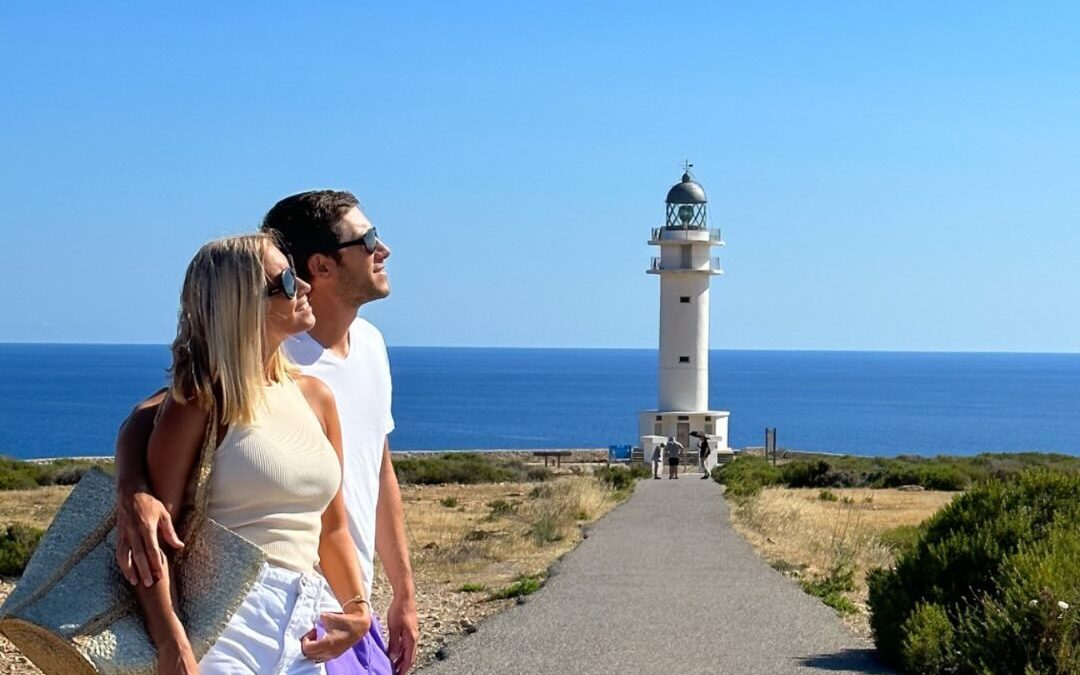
(888,175)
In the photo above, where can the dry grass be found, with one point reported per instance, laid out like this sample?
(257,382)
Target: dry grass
(32,507)
(805,536)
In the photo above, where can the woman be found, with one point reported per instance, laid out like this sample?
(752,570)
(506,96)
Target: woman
(276,477)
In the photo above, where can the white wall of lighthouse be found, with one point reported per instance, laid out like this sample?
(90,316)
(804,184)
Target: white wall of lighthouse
(684,331)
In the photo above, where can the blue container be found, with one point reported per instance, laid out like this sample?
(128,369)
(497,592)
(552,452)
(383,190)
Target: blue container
(618,453)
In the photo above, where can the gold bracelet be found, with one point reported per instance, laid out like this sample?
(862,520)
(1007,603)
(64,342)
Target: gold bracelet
(358,599)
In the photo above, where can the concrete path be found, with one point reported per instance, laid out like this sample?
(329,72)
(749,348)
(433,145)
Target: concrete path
(663,585)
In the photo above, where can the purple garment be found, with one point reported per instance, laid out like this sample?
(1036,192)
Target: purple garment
(367,657)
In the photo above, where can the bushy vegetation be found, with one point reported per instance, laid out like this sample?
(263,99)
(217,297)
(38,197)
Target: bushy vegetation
(902,538)
(501,507)
(19,475)
(832,588)
(464,468)
(17,544)
(991,586)
(622,478)
(526,584)
(748,474)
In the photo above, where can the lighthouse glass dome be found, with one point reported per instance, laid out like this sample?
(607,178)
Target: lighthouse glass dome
(686,205)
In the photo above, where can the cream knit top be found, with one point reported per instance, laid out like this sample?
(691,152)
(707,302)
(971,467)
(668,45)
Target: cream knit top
(272,479)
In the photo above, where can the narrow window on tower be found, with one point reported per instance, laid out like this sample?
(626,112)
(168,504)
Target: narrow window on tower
(684,359)
(684,299)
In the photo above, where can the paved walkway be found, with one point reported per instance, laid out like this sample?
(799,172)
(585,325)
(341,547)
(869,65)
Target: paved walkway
(663,585)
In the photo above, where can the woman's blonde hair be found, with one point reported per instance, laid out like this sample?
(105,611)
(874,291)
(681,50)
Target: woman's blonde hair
(220,332)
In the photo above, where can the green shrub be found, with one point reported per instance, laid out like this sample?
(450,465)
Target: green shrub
(805,473)
(901,538)
(501,507)
(832,588)
(453,467)
(828,496)
(540,491)
(934,473)
(928,641)
(546,529)
(1027,612)
(524,585)
(17,544)
(472,587)
(929,476)
(995,563)
(747,475)
(536,474)
(622,478)
(449,502)
(20,475)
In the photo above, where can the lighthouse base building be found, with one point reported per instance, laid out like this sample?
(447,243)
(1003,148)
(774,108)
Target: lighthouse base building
(685,267)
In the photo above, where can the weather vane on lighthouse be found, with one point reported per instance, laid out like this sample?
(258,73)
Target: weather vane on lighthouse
(685,266)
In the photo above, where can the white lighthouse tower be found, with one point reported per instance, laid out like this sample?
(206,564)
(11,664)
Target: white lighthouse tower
(685,266)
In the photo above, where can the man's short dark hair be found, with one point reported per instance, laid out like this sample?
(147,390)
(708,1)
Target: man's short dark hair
(308,223)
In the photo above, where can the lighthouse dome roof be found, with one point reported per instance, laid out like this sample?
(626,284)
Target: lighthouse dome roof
(687,191)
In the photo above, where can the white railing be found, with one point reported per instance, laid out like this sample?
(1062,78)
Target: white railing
(712,265)
(665,233)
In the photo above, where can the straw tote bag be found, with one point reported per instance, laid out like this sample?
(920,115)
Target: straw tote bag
(73,613)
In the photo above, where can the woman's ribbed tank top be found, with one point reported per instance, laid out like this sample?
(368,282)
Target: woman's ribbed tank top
(273,478)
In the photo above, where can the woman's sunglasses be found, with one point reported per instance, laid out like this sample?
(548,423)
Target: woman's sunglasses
(370,240)
(284,283)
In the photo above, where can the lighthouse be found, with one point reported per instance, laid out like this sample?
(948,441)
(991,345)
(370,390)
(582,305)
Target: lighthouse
(685,265)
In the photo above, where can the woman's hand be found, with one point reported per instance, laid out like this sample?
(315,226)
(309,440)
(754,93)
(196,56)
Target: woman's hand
(176,658)
(342,631)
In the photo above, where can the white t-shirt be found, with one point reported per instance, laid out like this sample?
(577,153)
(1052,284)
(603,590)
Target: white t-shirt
(361,385)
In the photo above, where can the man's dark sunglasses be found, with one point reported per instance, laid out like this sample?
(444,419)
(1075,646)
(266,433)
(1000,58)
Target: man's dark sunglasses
(370,240)
(285,283)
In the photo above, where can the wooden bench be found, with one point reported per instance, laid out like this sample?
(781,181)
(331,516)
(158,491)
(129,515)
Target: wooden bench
(557,455)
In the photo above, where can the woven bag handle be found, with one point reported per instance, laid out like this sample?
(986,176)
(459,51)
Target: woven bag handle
(200,500)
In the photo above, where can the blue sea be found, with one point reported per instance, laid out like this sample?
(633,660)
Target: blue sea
(68,400)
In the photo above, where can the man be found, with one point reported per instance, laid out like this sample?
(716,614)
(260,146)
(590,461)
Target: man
(337,251)
(656,462)
(673,450)
(703,451)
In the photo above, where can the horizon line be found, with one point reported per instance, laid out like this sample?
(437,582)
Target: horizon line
(594,348)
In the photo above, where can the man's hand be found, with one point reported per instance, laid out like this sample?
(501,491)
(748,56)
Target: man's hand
(404,629)
(140,518)
(341,632)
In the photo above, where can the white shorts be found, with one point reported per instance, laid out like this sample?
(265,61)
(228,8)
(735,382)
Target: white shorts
(263,637)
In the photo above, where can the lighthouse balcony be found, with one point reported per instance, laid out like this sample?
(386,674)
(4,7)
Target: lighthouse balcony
(680,235)
(658,266)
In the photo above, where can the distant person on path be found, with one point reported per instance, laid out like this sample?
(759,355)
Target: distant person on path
(673,449)
(656,462)
(338,252)
(703,452)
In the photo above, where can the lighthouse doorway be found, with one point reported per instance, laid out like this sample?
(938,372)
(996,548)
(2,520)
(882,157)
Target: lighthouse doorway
(682,433)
